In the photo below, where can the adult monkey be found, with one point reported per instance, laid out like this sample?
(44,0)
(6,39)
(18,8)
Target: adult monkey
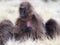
(29,24)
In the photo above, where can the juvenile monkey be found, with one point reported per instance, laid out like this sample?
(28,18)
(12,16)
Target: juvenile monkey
(6,31)
(52,28)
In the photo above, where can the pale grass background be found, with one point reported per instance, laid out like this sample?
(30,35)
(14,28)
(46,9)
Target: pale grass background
(9,10)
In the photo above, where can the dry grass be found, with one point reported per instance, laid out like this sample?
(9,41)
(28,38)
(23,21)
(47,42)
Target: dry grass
(55,41)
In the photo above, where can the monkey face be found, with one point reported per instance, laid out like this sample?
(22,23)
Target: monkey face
(24,10)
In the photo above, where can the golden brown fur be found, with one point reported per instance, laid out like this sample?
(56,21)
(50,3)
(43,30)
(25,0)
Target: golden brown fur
(37,28)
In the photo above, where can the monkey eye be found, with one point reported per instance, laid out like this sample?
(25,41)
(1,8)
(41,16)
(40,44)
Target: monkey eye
(22,9)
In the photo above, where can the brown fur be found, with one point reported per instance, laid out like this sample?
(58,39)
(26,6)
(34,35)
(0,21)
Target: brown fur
(37,29)
(6,31)
(52,28)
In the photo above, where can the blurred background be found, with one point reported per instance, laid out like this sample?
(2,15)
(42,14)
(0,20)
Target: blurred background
(45,8)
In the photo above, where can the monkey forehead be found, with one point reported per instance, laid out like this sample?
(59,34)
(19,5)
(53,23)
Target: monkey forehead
(25,4)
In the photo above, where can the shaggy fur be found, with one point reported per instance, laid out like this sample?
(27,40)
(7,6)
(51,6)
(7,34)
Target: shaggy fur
(6,30)
(36,28)
(52,28)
